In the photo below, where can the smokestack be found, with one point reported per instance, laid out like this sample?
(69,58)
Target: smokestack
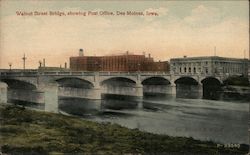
(65,65)
(80,52)
(43,62)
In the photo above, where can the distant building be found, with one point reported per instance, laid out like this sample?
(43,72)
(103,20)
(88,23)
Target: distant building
(124,62)
(85,63)
(209,65)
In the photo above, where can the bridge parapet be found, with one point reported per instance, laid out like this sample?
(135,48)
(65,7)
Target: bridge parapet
(36,72)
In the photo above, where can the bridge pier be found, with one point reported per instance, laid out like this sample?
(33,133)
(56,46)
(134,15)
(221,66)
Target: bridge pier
(96,91)
(3,92)
(173,89)
(139,94)
(51,98)
(95,94)
(200,91)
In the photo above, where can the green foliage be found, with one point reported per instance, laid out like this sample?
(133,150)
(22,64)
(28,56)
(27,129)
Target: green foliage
(31,132)
(237,81)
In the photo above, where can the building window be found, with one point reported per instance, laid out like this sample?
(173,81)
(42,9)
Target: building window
(189,69)
(194,70)
(185,69)
(180,69)
(206,70)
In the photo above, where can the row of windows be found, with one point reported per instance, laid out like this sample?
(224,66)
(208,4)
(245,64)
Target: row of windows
(189,70)
(236,64)
(194,70)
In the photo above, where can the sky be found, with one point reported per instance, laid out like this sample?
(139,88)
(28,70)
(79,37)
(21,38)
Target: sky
(191,28)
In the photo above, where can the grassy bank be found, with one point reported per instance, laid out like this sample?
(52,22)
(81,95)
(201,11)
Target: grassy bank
(33,132)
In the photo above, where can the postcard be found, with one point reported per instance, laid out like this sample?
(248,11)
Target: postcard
(124,77)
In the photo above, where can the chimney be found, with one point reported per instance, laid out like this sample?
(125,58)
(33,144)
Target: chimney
(80,52)
(149,55)
(65,65)
(43,62)
(184,56)
(127,52)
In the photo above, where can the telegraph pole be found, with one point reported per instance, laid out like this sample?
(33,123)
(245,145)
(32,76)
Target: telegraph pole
(24,59)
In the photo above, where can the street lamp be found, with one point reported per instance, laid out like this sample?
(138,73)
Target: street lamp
(10,64)
(24,59)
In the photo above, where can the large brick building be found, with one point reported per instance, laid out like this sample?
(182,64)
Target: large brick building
(124,62)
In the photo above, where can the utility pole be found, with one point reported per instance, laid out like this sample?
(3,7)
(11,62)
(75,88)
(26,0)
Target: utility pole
(24,59)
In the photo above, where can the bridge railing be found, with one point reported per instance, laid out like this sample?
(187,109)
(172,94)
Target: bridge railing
(74,73)
(199,74)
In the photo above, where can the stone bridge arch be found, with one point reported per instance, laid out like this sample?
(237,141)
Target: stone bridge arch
(23,93)
(13,83)
(75,82)
(188,87)
(186,79)
(29,80)
(157,79)
(118,79)
(211,87)
(211,78)
(156,86)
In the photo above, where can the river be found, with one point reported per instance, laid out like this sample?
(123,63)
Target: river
(218,121)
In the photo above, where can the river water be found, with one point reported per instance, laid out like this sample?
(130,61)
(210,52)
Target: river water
(219,121)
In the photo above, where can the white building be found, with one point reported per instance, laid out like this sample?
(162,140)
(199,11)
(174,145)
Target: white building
(209,65)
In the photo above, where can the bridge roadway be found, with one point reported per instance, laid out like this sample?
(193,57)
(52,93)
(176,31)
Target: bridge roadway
(46,86)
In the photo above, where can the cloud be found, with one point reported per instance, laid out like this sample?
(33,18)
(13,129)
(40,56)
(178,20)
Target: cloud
(202,16)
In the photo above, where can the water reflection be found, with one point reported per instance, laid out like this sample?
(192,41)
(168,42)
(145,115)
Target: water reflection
(79,106)
(220,121)
(118,102)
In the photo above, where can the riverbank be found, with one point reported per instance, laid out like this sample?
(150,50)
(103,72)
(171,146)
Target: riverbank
(32,132)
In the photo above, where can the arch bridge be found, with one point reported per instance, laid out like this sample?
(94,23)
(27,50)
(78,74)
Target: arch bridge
(45,87)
